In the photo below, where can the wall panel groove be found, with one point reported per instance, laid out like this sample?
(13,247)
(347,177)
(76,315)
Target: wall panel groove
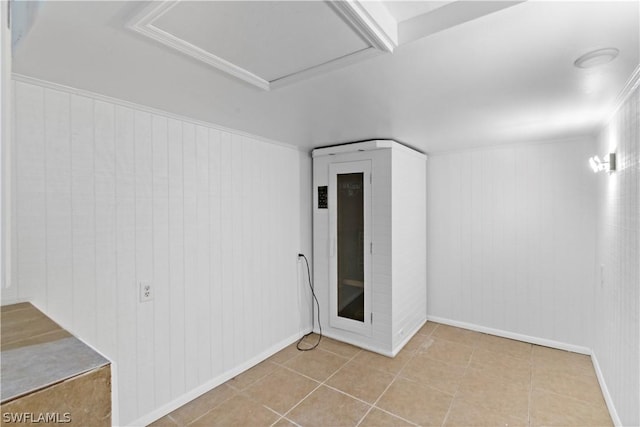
(512,239)
(617,295)
(110,195)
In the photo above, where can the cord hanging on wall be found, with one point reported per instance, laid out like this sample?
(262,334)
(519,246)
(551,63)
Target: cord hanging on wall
(313,298)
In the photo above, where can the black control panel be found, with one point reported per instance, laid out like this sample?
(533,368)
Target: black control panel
(322,197)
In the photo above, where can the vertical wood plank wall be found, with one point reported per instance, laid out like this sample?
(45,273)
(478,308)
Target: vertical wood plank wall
(617,312)
(512,234)
(408,242)
(108,195)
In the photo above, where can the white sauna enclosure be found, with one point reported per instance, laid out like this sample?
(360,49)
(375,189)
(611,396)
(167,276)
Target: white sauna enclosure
(369,243)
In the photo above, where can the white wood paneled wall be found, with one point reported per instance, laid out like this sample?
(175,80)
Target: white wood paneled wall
(5,149)
(408,243)
(512,239)
(617,311)
(109,195)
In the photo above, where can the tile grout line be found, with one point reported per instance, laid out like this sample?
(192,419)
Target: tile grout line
(432,386)
(311,378)
(319,385)
(530,387)
(282,417)
(171,418)
(374,405)
(338,354)
(566,396)
(301,400)
(371,406)
(285,418)
(242,391)
(235,393)
(466,369)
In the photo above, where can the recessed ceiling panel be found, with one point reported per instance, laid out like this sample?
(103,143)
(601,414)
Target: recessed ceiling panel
(271,40)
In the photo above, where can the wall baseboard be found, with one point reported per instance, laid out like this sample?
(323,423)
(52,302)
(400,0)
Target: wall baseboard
(605,391)
(547,343)
(215,382)
(363,345)
(369,347)
(408,337)
(15,301)
(513,335)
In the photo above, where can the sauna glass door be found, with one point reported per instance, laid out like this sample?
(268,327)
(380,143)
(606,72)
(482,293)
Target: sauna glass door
(349,207)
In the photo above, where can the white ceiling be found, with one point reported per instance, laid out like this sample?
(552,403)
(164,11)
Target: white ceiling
(504,77)
(403,10)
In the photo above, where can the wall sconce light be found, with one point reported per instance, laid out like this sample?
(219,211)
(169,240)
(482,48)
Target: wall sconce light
(609,164)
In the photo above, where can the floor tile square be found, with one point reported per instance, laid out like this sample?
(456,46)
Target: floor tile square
(248,377)
(281,389)
(550,409)
(283,422)
(502,366)
(459,335)
(419,404)
(165,421)
(201,405)
(428,328)
(339,348)
(551,359)
(434,373)
(391,365)
(487,391)
(326,407)
(443,375)
(361,381)
(513,348)
(581,387)
(450,352)
(378,418)
(416,342)
(317,364)
(464,414)
(237,411)
(284,355)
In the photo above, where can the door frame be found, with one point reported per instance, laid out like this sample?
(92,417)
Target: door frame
(335,169)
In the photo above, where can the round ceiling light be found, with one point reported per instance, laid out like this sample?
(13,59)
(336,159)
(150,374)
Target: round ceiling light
(597,57)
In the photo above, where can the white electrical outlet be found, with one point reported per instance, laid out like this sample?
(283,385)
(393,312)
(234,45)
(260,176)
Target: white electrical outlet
(146,293)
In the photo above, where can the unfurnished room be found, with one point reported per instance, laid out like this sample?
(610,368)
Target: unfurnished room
(320,213)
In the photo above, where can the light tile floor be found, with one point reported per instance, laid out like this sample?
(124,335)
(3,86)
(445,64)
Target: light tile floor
(445,376)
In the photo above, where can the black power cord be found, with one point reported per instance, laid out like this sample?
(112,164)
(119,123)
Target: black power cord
(314,298)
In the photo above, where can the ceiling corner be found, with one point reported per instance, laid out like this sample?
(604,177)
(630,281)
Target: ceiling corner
(372,20)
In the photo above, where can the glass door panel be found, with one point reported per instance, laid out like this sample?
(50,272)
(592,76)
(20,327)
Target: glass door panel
(350,239)
(350,245)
